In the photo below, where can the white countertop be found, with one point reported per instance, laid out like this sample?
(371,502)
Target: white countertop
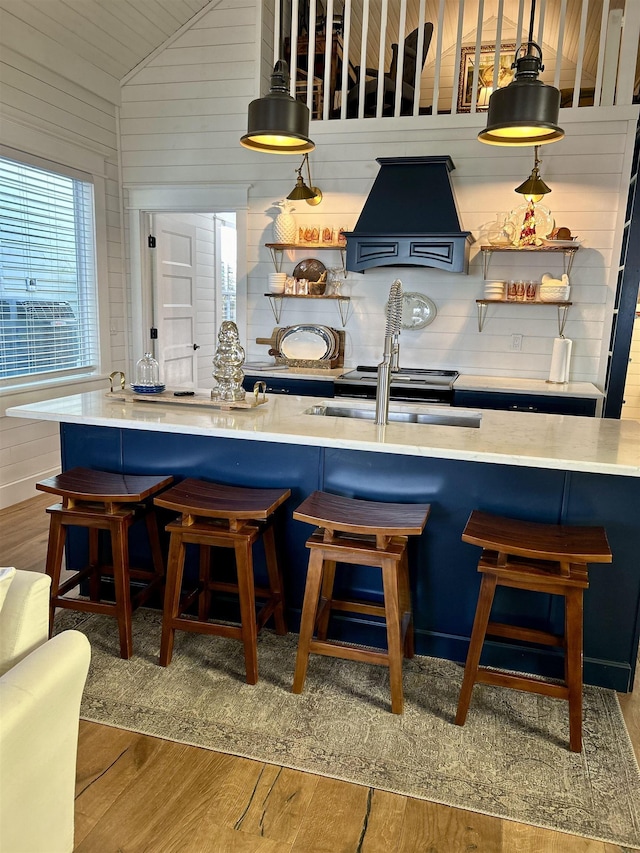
(514,385)
(508,438)
(465,382)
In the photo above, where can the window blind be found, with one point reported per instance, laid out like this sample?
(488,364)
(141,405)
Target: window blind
(48,298)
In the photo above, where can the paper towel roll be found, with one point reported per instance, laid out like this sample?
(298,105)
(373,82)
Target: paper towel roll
(560,360)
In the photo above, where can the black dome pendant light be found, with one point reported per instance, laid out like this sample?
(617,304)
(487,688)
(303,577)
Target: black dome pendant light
(526,111)
(278,123)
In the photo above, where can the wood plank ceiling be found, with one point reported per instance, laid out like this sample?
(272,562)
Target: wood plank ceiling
(112,35)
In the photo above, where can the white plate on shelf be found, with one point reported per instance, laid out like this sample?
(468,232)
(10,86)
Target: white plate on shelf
(563,244)
(544,220)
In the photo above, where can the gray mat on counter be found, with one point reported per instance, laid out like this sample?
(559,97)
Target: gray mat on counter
(510,760)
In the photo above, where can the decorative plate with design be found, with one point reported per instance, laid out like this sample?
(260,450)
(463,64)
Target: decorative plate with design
(147,389)
(311,269)
(417,311)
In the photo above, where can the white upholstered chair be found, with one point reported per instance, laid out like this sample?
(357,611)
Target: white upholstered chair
(41,684)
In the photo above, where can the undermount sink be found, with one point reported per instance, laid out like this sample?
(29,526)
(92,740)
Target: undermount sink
(444,418)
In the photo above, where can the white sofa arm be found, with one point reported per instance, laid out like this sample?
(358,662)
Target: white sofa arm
(24,620)
(39,719)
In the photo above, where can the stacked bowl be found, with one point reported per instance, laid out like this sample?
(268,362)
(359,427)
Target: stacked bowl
(276,282)
(494,290)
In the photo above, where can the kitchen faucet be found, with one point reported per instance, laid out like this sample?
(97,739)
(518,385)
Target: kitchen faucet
(391,356)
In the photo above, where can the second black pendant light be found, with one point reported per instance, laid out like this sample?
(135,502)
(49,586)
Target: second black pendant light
(526,111)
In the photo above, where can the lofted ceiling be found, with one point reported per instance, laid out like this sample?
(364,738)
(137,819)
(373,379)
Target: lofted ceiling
(115,36)
(112,35)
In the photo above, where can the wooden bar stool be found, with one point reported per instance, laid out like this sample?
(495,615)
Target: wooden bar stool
(367,533)
(224,517)
(549,558)
(100,500)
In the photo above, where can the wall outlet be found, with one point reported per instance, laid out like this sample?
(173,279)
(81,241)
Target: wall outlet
(516,343)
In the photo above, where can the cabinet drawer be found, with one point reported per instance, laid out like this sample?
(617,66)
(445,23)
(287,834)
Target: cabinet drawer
(525,402)
(286,385)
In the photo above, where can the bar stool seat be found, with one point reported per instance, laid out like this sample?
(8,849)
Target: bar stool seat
(222,516)
(367,533)
(548,558)
(101,500)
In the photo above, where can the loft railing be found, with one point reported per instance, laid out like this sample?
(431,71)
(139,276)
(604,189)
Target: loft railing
(378,58)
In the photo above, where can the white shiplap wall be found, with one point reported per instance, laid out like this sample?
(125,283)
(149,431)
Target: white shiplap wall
(46,114)
(183,114)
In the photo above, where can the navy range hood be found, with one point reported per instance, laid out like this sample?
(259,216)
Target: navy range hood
(410,218)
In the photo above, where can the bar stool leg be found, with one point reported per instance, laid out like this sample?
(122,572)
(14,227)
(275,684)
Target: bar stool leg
(153,533)
(122,588)
(175,568)
(573,653)
(246,591)
(324,609)
(307,622)
(94,563)
(276,584)
(394,637)
(480,622)
(406,611)
(55,550)
(204,597)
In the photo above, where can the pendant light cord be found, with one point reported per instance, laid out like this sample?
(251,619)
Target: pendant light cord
(531,21)
(281,31)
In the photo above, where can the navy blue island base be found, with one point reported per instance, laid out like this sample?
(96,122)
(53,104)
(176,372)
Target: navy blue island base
(444,577)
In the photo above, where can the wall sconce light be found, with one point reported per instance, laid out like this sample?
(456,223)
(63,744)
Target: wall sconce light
(526,111)
(534,188)
(312,195)
(278,123)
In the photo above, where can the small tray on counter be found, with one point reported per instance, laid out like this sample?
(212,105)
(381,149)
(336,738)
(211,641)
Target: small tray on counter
(201,398)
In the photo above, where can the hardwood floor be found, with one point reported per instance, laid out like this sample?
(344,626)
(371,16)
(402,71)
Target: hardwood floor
(137,793)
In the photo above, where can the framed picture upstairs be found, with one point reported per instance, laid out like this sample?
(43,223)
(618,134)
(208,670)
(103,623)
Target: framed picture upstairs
(486,64)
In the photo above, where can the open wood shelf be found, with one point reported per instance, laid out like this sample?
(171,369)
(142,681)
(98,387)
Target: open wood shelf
(562,306)
(275,300)
(278,249)
(568,253)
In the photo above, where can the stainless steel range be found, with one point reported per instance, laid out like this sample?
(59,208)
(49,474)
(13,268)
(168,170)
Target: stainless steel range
(412,384)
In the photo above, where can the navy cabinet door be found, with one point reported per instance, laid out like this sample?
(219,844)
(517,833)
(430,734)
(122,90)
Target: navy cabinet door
(525,403)
(286,385)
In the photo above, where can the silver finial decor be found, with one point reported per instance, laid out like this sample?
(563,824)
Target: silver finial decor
(227,365)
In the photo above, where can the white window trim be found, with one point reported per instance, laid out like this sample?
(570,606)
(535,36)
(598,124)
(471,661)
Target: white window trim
(203,198)
(25,384)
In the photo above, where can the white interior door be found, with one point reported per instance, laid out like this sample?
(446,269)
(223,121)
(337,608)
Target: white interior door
(175,299)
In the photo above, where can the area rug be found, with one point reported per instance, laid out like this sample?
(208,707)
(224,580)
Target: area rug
(510,760)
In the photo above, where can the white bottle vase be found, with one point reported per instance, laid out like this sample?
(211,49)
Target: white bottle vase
(284,226)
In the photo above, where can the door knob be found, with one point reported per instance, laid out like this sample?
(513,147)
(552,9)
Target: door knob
(196,346)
